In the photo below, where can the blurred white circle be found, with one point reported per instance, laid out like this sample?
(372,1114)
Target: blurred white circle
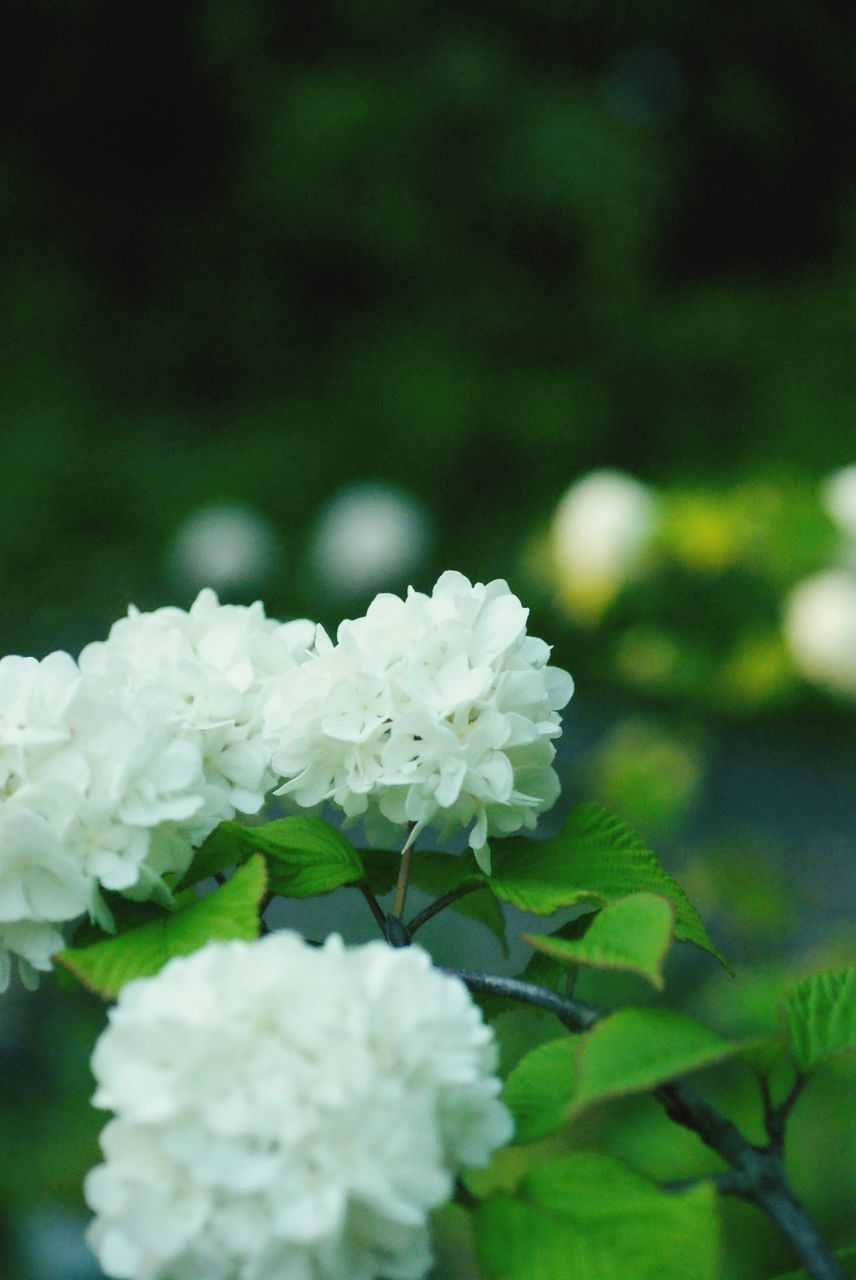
(368,537)
(602,525)
(839,499)
(226,546)
(820,628)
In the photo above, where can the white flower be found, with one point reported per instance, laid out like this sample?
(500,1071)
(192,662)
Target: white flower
(285,1112)
(433,709)
(820,628)
(839,499)
(204,672)
(600,531)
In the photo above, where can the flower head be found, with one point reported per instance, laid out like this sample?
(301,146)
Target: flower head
(113,769)
(433,709)
(285,1112)
(203,672)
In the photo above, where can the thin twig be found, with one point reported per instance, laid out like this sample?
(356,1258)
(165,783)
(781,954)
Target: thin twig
(440,904)
(403,874)
(374,906)
(756,1173)
(576,1015)
(401,883)
(267,899)
(776,1114)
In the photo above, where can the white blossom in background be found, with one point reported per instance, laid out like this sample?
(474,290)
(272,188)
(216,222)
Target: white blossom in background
(369,536)
(203,673)
(839,499)
(599,534)
(433,710)
(820,629)
(225,545)
(286,1112)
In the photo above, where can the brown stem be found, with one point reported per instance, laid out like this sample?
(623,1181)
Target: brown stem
(440,904)
(374,906)
(758,1172)
(403,875)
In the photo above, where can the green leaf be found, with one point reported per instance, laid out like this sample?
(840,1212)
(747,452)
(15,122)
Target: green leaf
(225,847)
(632,933)
(538,1092)
(820,1016)
(306,856)
(847,1258)
(229,912)
(636,1049)
(629,1051)
(588,1215)
(595,857)
(381,869)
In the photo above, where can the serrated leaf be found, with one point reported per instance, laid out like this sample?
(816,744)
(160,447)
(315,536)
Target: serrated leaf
(636,1049)
(595,857)
(589,1215)
(847,1258)
(306,856)
(229,912)
(629,1051)
(632,933)
(820,1016)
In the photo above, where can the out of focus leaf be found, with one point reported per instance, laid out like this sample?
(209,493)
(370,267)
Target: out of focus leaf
(595,857)
(630,1051)
(632,933)
(847,1258)
(820,1016)
(588,1215)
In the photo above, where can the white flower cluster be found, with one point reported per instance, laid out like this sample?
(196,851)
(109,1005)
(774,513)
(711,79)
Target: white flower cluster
(429,710)
(112,769)
(285,1112)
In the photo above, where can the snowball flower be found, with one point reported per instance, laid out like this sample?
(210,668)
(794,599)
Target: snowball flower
(91,794)
(204,672)
(429,710)
(820,628)
(599,534)
(285,1112)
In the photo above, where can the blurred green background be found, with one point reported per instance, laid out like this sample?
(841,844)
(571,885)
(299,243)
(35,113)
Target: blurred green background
(313,300)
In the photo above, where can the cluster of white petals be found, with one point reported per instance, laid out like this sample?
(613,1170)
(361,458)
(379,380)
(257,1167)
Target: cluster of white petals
(204,672)
(285,1112)
(435,710)
(113,768)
